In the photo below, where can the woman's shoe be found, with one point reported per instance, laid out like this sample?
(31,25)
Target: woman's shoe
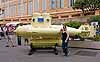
(65,55)
(7,46)
(13,46)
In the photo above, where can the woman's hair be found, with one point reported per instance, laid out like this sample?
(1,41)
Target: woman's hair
(64,26)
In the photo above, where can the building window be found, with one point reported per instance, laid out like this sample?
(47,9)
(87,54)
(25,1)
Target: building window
(7,11)
(55,17)
(43,5)
(12,10)
(76,15)
(71,2)
(65,16)
(60,3)
(24,8)
(30,7)
(36,5)
(19,10)
(53,4)
(19,7)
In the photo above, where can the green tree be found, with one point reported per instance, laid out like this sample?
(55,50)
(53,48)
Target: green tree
(87,5)
(73,24)
(95,19)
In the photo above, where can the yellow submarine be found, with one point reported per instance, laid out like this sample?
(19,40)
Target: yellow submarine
(42,34)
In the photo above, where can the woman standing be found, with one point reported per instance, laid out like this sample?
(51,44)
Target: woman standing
(65,40)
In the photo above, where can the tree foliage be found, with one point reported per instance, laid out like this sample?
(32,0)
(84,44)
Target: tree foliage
(95,19)
(73,24)
(87,5)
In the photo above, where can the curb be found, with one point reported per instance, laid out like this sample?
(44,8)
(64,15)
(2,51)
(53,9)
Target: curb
(85,48)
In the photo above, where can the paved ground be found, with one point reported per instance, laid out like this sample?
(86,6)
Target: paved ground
(19,54)
(89,44)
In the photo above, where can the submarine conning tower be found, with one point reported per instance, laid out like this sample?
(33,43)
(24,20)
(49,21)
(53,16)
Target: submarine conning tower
(41,20)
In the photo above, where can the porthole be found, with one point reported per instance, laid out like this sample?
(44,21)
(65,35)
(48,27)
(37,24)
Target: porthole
(33,20)
(47,20)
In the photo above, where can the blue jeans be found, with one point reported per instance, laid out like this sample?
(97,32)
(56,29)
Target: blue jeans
(65,46)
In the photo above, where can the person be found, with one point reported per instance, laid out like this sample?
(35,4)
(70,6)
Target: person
(4,30)
(9,35)
(65,40)
(0,32)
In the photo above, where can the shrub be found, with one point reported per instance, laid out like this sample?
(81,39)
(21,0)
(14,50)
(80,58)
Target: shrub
(73,24)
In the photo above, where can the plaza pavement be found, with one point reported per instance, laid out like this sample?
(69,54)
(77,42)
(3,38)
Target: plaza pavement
(19,54)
